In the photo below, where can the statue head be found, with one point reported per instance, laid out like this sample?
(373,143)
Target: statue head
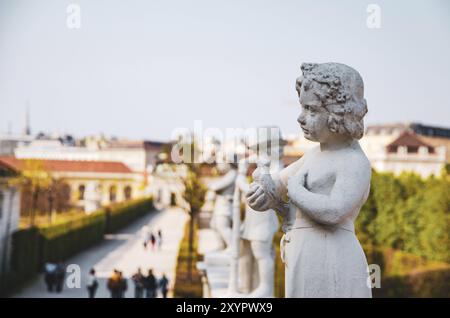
(332,99)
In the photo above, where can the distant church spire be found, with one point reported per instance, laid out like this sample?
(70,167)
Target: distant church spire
(27,128)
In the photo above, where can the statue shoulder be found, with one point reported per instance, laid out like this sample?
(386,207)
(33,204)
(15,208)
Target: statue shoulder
(291,169)
(355,161)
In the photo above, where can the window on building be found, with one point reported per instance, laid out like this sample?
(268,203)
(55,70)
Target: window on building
(81,189)
(2,198)
(127,192)
(112,194)
(392,149)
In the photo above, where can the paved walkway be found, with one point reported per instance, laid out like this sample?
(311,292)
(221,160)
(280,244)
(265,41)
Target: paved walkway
(125,252)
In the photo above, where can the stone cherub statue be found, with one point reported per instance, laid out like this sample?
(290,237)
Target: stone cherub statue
(224,188)
(256,267)
(320,195)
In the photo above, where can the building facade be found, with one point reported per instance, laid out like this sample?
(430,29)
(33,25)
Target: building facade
(404,151)
(9,142)
(139,156)
(90,184)
(377,137)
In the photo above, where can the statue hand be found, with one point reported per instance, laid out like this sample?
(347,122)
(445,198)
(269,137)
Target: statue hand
(257,199)
(263,178)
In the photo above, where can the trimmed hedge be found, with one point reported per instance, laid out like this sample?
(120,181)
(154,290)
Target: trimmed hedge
(24,260)
(430,283)
(32,248)
(407,275)
(122,214)
(184,288)
(60,242)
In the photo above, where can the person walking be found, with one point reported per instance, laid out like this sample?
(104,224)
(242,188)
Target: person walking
(152,241)
(138,280)
(123,285)
(114,285)
(60,274)
(164,285)
(146,237)
(49,276)
(160,239)
(150,285)
(92,283)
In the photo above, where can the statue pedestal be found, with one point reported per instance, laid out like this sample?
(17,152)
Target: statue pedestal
(219,258)
(216,264)
(216,267)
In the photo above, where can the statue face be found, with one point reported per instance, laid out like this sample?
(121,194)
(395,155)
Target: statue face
(313,119)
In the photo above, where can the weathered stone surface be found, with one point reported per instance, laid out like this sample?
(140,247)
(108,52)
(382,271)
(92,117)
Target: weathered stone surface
(320,195)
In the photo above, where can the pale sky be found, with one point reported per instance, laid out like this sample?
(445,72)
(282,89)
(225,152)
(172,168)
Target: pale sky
(140,69)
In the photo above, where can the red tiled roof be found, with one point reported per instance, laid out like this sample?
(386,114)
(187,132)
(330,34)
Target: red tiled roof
(410,139)
(68,165)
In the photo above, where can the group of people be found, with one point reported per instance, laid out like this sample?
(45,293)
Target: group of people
(148,285)
(144,285)
(54,274)
(153,240)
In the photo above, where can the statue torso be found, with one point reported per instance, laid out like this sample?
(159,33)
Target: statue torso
(322,169)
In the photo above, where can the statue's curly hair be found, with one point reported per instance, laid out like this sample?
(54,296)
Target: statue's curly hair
(340,88)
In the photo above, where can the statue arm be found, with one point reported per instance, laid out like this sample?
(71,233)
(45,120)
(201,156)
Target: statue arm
(280,182)
(348,193)
(281,178)
(242,184)
(223,182)
(271,193)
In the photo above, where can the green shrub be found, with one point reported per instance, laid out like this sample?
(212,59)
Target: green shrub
(24,263)
(57,243)
(408,213)
(428,283)
(185,288)
(407,275)
(122,214)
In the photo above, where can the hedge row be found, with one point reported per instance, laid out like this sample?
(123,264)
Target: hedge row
(123,214)
(402,274)
(32,248)
(407,275)
(24,260)
(279,267)
(184,288)
(62,241)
